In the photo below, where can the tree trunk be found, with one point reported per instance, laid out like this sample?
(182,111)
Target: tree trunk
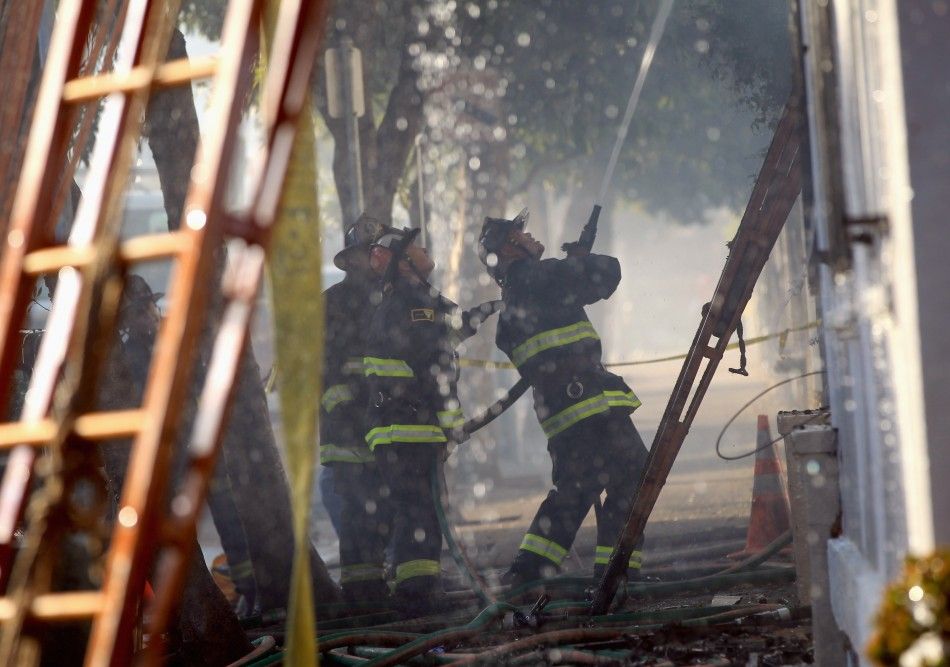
(249,449)
(385,148)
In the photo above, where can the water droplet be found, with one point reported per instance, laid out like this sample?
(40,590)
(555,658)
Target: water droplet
(196,219)
(128,517)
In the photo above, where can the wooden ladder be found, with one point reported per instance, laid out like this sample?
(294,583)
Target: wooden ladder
(59,417)
(776,188)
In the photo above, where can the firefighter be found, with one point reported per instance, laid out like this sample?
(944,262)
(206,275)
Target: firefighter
(366,519)
(413,409)
(583,409)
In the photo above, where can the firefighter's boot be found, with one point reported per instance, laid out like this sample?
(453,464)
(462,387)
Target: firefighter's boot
(527,568)
(420,596)
(373,591)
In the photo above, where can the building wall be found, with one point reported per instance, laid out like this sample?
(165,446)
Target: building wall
(861,210)
(925,50)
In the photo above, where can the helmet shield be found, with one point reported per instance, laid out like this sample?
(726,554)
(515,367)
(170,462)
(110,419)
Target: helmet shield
(392,237)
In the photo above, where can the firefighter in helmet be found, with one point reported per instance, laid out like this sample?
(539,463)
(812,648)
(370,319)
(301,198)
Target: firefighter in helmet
(413,410)
(365,517)
(584,410)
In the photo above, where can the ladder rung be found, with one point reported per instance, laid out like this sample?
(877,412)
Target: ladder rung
(137,249)
(27,433)
(90,426)
(174,73)
(71,606)
(51,260)
(152,246)
(107,425)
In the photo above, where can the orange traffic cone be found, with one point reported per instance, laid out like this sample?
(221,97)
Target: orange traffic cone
(769,516)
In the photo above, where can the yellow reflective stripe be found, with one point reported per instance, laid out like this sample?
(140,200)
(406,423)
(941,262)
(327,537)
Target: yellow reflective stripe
(396,368)
(622,399)
(333,396)
(417,568)
(451,418)
(338,454)
(602,557)
(636,560)
(353,366)
(361,572)
(544,547)
(552,338)
(243,569)
(384,435)
(570,416)
(594,405)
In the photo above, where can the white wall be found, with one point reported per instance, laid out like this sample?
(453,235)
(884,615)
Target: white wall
(870,334)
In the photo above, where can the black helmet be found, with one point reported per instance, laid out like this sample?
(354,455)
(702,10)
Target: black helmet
(390,237)
(360,236)
(495,232)
(138,292)
(397,241)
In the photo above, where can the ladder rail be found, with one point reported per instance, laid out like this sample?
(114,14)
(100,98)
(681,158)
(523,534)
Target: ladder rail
(88,114)
(16,58)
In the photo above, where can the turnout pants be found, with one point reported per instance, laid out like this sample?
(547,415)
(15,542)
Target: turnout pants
(407,470)
(603,452)
(365,530)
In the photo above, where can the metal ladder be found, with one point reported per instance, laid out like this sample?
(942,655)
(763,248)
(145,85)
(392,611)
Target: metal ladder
(58,418)
(775,191)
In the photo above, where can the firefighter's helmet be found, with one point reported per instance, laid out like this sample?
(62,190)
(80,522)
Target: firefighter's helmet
(390,237)
(495,233)
(359,238)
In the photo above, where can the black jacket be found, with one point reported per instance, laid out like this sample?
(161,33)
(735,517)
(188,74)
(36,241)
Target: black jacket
(411,368)
(348,308)
(546,333)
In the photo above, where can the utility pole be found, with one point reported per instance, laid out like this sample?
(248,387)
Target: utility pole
(344,70)
(420,192)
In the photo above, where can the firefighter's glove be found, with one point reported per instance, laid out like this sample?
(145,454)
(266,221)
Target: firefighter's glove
(575,249)
(473,318)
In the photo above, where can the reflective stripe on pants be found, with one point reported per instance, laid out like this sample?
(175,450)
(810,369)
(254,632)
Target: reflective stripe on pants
(361,572)
(422,567)
(543,547)
(602,557)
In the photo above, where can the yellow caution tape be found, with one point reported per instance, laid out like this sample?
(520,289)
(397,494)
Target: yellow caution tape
(507,365)
(295,263)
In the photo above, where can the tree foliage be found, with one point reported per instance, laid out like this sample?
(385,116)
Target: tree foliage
(564,71)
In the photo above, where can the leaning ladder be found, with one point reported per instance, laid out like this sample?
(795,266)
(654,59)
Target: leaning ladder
(58,417)
(775,191)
